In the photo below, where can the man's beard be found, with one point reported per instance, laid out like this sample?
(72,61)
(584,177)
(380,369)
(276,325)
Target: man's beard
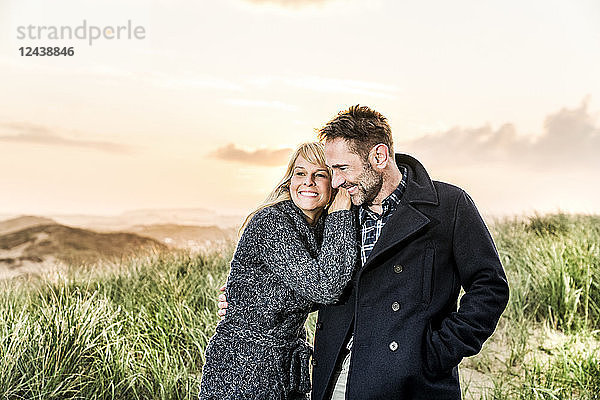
(369,184)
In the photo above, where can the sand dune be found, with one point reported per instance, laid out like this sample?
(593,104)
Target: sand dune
(23,222)
(186,236)
(32,244)
(38,247)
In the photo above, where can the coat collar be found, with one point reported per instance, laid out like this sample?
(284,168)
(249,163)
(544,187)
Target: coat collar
(313,235)
(419,187)
(407,220)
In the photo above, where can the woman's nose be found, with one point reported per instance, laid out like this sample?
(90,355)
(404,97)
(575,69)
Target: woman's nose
(309,181)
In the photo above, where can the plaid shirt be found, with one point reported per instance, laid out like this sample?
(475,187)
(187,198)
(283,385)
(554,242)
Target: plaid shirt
(371,224)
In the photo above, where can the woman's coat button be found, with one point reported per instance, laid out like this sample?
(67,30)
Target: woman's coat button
(393,346)
(398,268)
(395,306)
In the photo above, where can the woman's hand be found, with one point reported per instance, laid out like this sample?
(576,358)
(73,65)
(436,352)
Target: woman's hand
(222,304)
(341,201)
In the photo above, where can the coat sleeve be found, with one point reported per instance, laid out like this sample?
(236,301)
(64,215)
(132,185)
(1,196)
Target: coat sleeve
(321,279)
(482,277)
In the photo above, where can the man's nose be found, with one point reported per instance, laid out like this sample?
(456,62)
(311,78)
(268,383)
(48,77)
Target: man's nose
(337,180)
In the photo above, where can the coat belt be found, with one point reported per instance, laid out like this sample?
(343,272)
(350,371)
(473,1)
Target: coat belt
(301,351)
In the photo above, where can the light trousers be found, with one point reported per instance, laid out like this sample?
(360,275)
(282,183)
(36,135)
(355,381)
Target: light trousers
(339,390)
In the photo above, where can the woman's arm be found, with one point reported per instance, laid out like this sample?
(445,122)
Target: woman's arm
(321,279)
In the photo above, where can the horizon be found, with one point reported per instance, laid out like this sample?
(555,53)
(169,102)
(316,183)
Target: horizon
(490,218)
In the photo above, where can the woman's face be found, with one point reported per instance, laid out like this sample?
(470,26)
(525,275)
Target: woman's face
(310,187)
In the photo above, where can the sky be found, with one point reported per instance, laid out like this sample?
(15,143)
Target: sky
(499,98)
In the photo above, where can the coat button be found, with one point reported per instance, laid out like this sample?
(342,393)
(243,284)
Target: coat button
(319,325)
(313,362)
(398,268)
(393,346)
(395,306)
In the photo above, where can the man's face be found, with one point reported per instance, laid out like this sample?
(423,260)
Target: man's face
(351,172)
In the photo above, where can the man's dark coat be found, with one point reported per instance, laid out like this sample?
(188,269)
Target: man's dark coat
(408,334)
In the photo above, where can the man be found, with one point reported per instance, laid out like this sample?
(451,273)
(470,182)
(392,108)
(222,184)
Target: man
(397,332)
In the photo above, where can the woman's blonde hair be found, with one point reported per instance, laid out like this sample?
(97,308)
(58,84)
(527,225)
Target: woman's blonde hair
(314,153)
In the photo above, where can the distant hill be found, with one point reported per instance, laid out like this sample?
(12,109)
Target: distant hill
(185,236)
(33,244)
(70,245)
(23,222)
(124,221)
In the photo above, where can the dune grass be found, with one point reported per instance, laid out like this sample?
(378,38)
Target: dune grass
(137,329)
(547,345)
(133,332)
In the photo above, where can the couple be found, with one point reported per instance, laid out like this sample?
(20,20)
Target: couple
(385,276)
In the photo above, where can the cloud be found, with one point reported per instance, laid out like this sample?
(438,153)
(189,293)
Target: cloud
(190,81)
(570,138)
(262,157)
(171,80)
(180,79)
(331,85)
(508,172)
(290,3)
(30,133)
(278,105)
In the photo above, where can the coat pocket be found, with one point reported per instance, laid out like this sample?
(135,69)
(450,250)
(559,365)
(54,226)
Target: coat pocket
(428,276)
(432,368)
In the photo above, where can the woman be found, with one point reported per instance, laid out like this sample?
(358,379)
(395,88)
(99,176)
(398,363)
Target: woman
(291,255)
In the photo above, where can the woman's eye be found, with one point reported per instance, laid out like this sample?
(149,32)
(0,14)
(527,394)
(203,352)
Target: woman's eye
(323,176)
(299,173)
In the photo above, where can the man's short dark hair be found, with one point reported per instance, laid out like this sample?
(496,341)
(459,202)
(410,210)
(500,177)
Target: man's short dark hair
(362,127)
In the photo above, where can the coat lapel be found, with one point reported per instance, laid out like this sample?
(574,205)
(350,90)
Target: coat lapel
(405,222)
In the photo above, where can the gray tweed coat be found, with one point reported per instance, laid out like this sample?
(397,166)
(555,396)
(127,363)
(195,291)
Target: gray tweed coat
(281,267)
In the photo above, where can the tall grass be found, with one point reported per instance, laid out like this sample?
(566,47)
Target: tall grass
(547,345)
(133,332)
(137,330)
(553,267)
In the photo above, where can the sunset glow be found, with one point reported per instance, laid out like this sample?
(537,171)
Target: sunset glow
(501,99)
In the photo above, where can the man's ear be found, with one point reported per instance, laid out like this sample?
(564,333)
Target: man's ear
(379,156)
